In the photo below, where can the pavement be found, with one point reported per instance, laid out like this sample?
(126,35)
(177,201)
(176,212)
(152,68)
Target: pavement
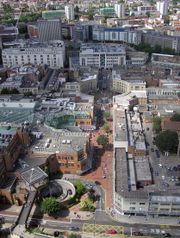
(164,221)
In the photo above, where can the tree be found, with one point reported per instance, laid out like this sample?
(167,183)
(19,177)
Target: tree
(157,124)
(102,140)
(106,127)
(87,205)
(107,115)
(14,91)
(80,188)
(76,12)
(167,141)
(28,94)
(175,117)
(5,91)
(72,235)
(90,13)
(50,206)
(157,49)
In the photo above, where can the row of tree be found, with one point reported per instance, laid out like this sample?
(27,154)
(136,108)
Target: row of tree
(145,47)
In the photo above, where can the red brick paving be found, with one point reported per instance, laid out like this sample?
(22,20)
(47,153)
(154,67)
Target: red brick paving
(104,167)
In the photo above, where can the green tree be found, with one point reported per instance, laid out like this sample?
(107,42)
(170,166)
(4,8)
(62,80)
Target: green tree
(157,124)
(5,91)
(102,140)
(14,91)
(7,8)
(50,206)
(175,117)
(80,188)
(72,235)
(157,49)
(106,127)
(167,141)
(87,205)
(90,13)
(107,115)
(28,94)
(76,12)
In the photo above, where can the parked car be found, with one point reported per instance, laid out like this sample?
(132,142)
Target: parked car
(137,233)
(167,235)
(112,232)
(74,228)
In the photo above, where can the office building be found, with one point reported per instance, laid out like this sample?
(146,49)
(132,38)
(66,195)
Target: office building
(116,34)
(119,10)
(102,55)
(7,33)
(162,7)
(69,12)
(49,30)
(52,54)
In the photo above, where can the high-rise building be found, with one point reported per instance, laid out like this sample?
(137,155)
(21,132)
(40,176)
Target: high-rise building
(49,29)
(119,10)
(69,12)
(162,7)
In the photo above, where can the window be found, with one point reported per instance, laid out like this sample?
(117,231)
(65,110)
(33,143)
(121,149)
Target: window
(142,203)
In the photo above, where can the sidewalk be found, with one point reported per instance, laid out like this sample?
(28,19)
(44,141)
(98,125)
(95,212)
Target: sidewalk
(162,221)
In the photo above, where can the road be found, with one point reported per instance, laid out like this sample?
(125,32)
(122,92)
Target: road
(102,218)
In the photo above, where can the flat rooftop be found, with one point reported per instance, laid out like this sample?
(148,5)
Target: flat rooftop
(120,131)
(104,48)
(55,141)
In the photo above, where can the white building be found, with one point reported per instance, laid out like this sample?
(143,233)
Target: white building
(115,34)
(162,7)
(102,55)
(69,12)
(119,10)
(52,54)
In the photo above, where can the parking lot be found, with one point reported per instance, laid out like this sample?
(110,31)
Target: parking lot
(165,169)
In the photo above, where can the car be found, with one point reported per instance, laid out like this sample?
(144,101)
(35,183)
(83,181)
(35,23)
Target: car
(56,233)
(74,228)
(137,233)
(112,232)
(167,235)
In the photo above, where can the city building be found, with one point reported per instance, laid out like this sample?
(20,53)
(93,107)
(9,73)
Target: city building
(16,112)
(49,29)
(83,31)
(134,191)
(107,11)
(102,55)
(13,143)
(52,54)
(166,61)
(7,33)
(122,86)
(119,10)
(116,34)
(53,14)
(69,12)
(162,7)
(153,38)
